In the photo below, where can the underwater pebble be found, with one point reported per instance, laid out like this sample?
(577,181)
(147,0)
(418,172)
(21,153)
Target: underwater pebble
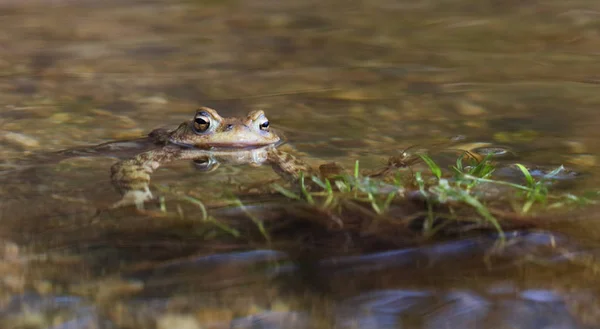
(351,95)
(19,139)
(388,114)
(357,110)
(584,160)
(129,133)
(43,287)
(83,72)
(122,120)
(580,17)
(469,109)
(102,112)
(491,151)
(521,136)
(576,147)
(475,96)
(272,320)
(171,321)
(474,124)
(125,122)
(155,100)
(13,282)
(541,295)
(10,250)
(278,20)
(212,315)
(60,117)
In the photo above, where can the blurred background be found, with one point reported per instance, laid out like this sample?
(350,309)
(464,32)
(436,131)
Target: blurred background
(343,80)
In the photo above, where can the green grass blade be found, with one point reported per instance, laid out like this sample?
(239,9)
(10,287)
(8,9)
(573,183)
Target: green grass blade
(388,200)
(319,182)
(528,178)
(551,175)
(485,213)
(459,163)
(163,204)
(305,191)
(435,169)
(197,203)
(259,223)
(343,186)
(210,219)
(374,204)
(287,193)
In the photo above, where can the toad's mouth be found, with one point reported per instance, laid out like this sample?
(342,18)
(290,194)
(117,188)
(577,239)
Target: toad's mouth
(227,146)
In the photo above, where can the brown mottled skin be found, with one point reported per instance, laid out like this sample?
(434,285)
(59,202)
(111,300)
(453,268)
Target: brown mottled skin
(207,138)
(209,130)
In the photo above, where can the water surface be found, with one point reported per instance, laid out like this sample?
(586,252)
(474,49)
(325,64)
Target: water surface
(344,81)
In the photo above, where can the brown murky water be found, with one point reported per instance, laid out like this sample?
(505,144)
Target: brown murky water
(344,80)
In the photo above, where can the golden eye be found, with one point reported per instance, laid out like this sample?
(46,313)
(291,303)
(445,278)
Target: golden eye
(201,122)
(264,125)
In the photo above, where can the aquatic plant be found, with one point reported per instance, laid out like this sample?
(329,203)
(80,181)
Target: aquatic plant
(466,195)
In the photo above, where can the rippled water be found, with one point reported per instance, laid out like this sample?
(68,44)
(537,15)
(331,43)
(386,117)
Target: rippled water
(344,80)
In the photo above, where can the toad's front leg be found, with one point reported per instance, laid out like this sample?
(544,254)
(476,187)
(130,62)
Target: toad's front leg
(288,166)
(292,168)
(132,180)
(131,176)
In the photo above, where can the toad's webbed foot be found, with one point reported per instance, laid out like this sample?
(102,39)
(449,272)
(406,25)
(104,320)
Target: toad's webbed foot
(134,197)
(131,177)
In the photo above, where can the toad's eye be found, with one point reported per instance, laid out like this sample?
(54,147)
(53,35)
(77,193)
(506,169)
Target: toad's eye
(201,123)
(264,125)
